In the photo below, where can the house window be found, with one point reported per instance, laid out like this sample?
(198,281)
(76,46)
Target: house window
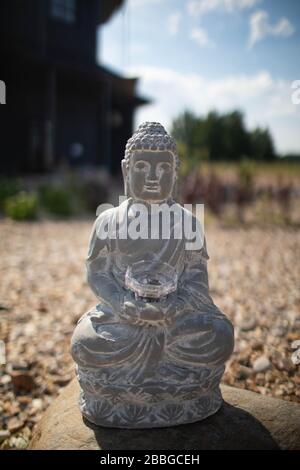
(64,10)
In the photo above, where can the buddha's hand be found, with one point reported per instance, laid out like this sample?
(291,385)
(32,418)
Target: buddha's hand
(139,312)
(171,304)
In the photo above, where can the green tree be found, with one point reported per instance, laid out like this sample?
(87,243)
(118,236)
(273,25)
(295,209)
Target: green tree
(184,129)
(262,146)
(235,136)
(220,137)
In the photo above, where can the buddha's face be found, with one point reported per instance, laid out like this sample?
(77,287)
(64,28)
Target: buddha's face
(151,175)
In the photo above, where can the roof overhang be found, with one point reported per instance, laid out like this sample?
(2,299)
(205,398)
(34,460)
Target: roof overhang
(107,8)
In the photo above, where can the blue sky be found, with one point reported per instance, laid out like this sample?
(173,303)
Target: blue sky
(211,54)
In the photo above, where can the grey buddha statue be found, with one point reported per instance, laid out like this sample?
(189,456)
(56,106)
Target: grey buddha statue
(156,359)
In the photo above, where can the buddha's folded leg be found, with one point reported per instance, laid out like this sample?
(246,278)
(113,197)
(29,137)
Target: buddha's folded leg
(201,339)
(101,340)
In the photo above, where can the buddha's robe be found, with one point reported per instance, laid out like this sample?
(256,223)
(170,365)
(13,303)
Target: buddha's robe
(196,333)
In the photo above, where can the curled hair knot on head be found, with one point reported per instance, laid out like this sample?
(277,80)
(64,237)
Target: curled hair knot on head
(151,136)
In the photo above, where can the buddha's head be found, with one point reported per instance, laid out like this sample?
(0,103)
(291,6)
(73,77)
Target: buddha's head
(151,164)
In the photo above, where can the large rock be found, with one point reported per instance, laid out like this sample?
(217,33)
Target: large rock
(245,421)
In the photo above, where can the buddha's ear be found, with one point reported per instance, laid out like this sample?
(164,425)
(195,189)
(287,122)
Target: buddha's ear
(125,176)
(124,169)
(175,189)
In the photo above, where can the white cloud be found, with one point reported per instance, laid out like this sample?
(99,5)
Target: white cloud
(201,7)
(260,27)
(200,36)
(173,22)
(265,100)
(142,3)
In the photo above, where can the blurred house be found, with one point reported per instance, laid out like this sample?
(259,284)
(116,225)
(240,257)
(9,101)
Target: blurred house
(61,106)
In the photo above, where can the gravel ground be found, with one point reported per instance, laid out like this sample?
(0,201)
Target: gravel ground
(254,278)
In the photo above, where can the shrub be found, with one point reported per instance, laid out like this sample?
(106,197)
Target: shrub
(245,186)
(8,188)
(93,193)
(22,206)
(246,174)
(56,200)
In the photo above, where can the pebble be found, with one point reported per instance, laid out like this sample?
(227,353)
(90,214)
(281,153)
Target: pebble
(261,364)
(23,381)
(14,424)
(24,399)
(4,434)
(37,404)
(18,441)
(5,379)
(243,372)
(283,363)
(246,323)
(35,407)
(278,331)
(296,355)
(257,345)
(62,381)
(46,296)
(4,307)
